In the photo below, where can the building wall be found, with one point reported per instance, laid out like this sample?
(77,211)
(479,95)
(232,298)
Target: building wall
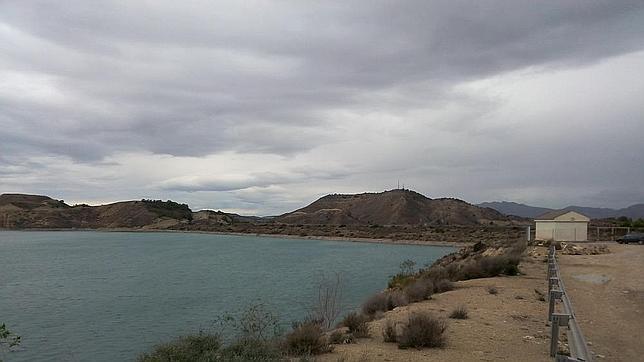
(561,231)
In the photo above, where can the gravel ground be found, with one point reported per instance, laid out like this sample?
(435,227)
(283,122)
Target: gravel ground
(607,293)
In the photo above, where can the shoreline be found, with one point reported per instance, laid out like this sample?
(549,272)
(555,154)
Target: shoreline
(456,244)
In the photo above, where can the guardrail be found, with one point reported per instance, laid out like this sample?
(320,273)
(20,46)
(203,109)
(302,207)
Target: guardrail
(557,292)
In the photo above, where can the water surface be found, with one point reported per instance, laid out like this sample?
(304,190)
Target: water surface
(107,296)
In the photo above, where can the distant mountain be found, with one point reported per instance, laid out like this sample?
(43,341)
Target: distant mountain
(395,207)
(516,209)
(512,208)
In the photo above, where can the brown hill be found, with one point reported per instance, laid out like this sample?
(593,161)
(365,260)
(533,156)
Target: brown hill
(395,207)
(18,211)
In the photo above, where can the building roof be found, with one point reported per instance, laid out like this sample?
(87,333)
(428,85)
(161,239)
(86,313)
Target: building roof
(552,215)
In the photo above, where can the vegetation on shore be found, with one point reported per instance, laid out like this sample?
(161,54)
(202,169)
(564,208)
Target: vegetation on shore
(253,336)
(8,339)
(256,336)
(168,209)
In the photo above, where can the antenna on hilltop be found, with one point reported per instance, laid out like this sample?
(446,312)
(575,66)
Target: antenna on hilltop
(398,188)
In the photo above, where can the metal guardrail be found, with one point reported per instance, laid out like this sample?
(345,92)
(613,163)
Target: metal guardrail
(556,291)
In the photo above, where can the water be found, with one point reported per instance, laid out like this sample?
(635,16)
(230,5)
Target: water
(101,296)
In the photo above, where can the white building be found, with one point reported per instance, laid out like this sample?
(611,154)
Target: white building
(562,225)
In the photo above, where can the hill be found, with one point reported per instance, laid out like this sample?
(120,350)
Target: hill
(395,207)
(19,211)
(512,208)
(516,209)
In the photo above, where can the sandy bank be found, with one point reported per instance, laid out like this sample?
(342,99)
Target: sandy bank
(510,325)
(279,236)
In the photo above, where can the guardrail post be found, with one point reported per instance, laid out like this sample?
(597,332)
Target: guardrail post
(553,297)
(552,282)
(551,269)
(558,320)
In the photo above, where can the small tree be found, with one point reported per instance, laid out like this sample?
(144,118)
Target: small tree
(329,303)
(407,267)
(257,322)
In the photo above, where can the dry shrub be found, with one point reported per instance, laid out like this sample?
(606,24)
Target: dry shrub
(396,298)
(384,301)
(423,330)
(375,303)
(459,313)
(337,337)
(491,266)
(357,324)
(306,338)
(443,285)
(419,290)
(492,290)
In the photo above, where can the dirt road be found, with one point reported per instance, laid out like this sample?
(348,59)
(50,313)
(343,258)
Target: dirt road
(607,293)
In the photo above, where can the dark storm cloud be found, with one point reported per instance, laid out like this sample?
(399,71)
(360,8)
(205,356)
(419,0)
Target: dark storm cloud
(202,77)
(97,83)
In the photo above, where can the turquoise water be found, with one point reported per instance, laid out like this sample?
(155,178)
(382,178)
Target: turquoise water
(107,296)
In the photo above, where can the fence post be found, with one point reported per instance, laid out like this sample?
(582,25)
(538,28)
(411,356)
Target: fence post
(558,320)
(553,297)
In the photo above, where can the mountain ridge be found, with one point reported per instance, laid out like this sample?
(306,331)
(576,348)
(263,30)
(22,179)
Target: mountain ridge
(634,211)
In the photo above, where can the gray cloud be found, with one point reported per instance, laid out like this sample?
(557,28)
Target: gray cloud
(372,89)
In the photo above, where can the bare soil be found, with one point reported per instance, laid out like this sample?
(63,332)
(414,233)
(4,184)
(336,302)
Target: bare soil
(510,325)
(607,293)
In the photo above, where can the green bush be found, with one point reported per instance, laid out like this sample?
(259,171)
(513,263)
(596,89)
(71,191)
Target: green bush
(168,209)
(199,347)
(246,349)
(400,281)
(423,330)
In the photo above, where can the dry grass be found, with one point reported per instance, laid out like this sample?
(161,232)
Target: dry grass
(459,313)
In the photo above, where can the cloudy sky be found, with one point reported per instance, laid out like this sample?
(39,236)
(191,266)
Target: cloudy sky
(261,107)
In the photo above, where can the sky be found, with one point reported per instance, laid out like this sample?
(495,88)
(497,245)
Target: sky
(261,107)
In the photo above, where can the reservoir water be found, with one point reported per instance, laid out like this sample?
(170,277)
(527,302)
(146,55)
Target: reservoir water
(109,296)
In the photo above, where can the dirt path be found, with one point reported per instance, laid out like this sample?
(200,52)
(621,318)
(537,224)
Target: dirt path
(510,325)
(607,293)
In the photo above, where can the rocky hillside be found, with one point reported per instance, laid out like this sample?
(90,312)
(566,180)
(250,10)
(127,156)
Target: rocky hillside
(395,207)
(18,211)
